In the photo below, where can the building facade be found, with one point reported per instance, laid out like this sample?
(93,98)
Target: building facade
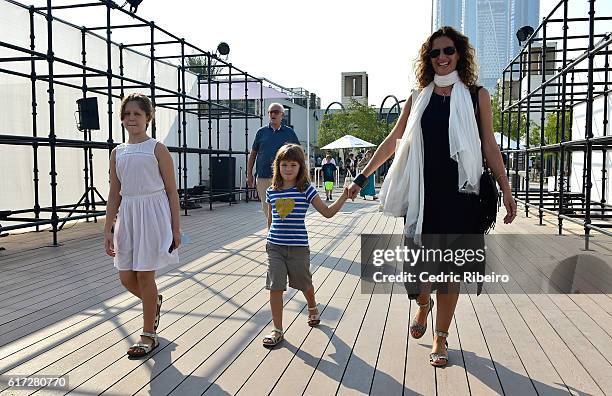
(354,87)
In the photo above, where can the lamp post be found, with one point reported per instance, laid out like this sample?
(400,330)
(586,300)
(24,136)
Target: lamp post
(330,105)
(382,106)
(397,103)
(133,5)
(327,111)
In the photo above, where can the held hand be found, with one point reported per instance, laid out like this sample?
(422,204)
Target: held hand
(251,181)
(353,190)
(109,244)
(510,205)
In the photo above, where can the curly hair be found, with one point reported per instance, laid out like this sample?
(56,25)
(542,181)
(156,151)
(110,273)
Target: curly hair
(466,65)
(290,152)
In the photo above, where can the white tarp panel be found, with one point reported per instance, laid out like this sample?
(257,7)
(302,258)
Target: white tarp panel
(16,162)
(220,91)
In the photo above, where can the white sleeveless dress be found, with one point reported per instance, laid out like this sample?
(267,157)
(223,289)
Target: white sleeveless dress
(143,230)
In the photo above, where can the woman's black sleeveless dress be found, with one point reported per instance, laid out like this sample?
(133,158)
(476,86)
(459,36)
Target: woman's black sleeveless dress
(446,211)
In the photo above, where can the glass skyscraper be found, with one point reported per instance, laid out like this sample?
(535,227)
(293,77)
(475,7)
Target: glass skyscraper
(449,13)
(493,49)
(522,13)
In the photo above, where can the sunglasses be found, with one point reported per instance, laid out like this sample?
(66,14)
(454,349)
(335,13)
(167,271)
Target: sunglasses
(447,51)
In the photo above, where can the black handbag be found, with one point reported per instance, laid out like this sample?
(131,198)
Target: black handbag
(489,194)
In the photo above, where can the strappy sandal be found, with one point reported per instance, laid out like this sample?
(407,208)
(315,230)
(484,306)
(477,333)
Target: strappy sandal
(141,349)
(313,318)
(417,330)
(157,314)
(435,357)
(272,339)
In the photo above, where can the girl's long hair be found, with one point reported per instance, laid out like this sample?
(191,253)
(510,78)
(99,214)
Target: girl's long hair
(290,152)
(466,66)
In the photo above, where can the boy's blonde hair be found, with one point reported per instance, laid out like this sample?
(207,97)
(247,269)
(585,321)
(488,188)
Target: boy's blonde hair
(290,152)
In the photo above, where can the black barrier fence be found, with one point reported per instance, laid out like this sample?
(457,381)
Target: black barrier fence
(560,76)
(210,104)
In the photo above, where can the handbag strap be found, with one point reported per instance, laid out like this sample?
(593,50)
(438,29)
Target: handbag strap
(474,89)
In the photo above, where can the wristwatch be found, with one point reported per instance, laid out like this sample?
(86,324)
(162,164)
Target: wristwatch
(360,180)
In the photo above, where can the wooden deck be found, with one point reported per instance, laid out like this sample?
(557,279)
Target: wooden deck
(63,311)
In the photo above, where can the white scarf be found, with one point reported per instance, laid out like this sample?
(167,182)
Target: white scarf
(402,192)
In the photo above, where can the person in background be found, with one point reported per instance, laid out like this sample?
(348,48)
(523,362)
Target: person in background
(351,165)
(267,141)
(329,176)
(369,189)
(328,158)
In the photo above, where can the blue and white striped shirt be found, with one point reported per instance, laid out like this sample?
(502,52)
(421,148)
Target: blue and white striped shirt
(288,212)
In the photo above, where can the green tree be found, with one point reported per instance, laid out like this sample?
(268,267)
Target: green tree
(497,120)
(553,124)
(358,120)
(552,130)
(199,65)
(534,134)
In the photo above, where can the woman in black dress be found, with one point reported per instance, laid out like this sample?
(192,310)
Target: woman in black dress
(446,64)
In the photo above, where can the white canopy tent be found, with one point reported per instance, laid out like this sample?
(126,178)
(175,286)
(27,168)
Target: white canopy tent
(219,90)
(347,141)
(513,143)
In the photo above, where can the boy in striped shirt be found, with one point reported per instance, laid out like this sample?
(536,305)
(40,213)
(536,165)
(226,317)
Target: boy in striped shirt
(288,199)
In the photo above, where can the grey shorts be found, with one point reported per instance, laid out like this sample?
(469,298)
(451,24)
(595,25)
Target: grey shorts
(291,262)
(262,185)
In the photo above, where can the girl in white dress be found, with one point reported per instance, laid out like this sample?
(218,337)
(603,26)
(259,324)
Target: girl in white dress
(143,205)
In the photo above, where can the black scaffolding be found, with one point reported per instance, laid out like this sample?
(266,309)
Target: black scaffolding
(560,74)
(211,105)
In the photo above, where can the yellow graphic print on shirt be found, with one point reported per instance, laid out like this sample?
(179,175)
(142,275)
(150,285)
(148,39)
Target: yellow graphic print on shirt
(284,206)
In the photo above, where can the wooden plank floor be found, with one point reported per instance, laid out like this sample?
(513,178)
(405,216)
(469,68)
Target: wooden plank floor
(64,312)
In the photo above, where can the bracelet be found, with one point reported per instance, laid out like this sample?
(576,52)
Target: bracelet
(360,180)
